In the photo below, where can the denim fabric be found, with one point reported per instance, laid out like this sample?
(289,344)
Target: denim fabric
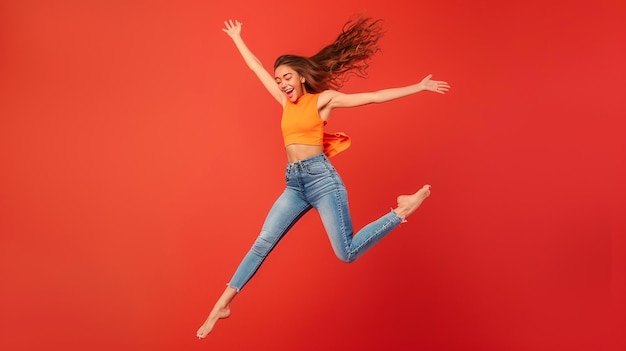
(313,183)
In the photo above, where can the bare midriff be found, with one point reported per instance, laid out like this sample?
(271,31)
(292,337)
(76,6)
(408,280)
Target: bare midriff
(298,152)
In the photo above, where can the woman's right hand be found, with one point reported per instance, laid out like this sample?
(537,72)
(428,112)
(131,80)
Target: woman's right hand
(232,29)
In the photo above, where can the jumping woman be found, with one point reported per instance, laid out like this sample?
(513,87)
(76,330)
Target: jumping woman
(306,90)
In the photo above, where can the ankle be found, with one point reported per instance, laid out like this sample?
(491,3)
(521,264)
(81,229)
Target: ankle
(401,212)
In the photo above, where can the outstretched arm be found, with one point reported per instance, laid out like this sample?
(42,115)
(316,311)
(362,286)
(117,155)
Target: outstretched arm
(234,31)
(334,99)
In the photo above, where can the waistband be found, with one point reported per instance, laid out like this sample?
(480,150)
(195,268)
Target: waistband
(313,159)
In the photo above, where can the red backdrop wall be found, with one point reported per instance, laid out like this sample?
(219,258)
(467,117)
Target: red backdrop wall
(139,157)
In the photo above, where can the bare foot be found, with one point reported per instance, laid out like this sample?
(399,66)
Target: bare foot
(216,314)
(407,204)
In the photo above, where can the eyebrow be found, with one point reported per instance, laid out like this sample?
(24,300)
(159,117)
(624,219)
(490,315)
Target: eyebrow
(284,75)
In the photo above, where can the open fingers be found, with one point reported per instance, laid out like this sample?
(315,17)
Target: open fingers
(230,24)
(442,87)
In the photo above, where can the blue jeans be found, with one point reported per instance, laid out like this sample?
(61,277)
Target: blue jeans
(313,183)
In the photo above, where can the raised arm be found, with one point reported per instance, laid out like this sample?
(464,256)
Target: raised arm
(333,99)
(234,31)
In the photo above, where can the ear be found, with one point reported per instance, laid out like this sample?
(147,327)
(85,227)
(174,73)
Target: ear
(302,80)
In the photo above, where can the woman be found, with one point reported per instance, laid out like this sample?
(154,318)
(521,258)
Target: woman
(305,88)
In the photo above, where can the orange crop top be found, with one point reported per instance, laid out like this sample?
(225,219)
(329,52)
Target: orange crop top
(301,124)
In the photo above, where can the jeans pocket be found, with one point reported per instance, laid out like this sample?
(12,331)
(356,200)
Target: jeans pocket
(316,168)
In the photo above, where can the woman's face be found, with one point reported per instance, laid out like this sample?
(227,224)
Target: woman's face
(289,82)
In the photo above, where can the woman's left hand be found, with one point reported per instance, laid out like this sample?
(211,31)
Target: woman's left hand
(436,86)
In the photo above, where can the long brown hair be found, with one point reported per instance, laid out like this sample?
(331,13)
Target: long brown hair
(335,63)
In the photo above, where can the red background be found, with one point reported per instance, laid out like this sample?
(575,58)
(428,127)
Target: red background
(139,157)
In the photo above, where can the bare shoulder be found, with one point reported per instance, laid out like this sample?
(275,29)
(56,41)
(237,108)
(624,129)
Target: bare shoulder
(326,98)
